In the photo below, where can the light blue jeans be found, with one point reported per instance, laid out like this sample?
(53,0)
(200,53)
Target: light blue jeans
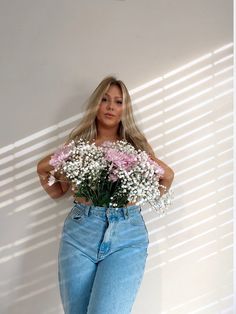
(101,259)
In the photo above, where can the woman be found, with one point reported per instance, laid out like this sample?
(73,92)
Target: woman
(103,251)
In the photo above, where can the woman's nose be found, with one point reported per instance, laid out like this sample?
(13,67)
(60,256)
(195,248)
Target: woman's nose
(110,104)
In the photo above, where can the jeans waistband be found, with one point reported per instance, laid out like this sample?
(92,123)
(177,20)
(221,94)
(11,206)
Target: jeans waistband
(103,211)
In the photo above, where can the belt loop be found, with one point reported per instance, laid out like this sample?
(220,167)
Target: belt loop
(87,209)
(126,212)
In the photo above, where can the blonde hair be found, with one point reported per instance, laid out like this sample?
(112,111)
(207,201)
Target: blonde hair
(128,130)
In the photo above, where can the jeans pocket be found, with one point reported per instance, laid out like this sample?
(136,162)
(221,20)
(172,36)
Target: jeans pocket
(136,220)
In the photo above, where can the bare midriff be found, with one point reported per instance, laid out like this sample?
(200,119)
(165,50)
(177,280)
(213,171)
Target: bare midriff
(83,200)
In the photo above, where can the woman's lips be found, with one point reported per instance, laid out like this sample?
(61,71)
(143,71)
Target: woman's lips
(109,115)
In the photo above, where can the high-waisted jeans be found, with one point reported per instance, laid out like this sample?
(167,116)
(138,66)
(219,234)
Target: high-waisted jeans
(101,259)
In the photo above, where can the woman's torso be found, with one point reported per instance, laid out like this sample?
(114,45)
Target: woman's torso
(83,200)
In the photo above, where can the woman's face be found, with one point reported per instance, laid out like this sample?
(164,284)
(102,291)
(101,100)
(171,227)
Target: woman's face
(112,103)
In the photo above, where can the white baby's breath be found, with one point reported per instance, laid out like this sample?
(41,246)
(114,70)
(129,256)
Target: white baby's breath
(138,183)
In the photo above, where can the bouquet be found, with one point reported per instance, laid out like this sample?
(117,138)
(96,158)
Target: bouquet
(111,175)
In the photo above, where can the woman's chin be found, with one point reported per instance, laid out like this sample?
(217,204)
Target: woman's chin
(109,123)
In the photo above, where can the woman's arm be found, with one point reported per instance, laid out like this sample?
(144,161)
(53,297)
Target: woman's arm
(167,178)
(56,190)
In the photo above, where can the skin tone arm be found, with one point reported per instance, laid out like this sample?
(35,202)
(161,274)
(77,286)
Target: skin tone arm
(168,176)
(58,189)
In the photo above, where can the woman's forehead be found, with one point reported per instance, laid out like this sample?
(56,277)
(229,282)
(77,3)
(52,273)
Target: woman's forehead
(116,90)
(114,96)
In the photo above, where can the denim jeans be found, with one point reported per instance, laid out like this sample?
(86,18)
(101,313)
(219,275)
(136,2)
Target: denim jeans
(101,259)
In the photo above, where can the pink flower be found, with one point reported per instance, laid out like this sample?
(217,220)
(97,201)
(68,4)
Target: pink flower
(120,159)
(51,180)
(112,177)
(158,169)
(60,155)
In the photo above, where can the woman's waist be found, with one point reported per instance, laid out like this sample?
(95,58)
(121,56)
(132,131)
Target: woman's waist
(89,202)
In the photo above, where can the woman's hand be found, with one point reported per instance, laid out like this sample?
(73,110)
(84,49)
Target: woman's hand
(56,190)
(65,184)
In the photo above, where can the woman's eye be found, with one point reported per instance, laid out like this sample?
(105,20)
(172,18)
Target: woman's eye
(118,101)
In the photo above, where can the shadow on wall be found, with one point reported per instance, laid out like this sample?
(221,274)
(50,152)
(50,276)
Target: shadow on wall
(187,115)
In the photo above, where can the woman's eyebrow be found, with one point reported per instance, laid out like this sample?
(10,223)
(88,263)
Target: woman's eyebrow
(114,97)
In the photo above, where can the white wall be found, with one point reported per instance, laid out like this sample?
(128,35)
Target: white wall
(53,55)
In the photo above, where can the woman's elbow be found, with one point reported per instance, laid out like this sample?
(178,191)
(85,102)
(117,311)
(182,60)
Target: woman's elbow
(169,174)
(172,173)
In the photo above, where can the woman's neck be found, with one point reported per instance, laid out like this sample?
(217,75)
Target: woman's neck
(99,141)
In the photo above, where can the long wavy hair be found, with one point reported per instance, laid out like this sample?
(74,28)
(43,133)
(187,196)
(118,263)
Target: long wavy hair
(128,130)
